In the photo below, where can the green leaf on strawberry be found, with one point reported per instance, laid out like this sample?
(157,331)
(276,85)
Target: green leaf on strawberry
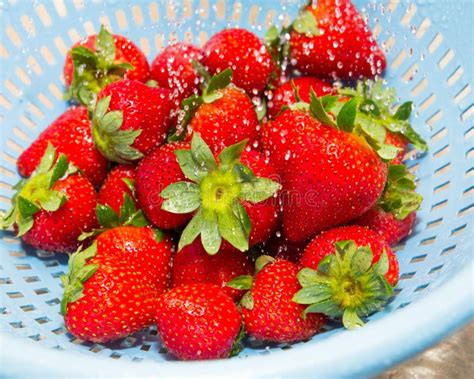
(346,285)
(306,23)
(399,196)
(79,272)
(36,193)
(214,192)
(113,143)
(93,70)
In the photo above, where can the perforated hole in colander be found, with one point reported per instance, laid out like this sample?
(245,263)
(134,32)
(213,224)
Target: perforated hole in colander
(423,67)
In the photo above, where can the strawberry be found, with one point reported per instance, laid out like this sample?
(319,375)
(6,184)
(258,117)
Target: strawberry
(285,93)
(194,265)
(330,38)
(349,272)
(173,69)
(51,208)
(229,196)
(70,134)
(245,54)
(268,311)
(197,321)
(387,225)
(154,173)
(395,214)
(223,115)
(130,119)
(108,296)
(101,59)
(119,181)
(323,245)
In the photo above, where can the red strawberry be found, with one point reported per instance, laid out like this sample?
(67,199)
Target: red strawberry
(101,59)
(130,119)
(399,141)
(245,54)
(194,265)
(173,69)
(70,134)
(268,311)
(197,321)
(330,38)
(48,211)
(349,273)
(323,245)
(154,173)
(229,196)
(387,225)
(119,181)
(107,297)
(285,93)
(144,247)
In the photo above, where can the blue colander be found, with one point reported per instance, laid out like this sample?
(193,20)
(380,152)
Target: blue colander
(429,45)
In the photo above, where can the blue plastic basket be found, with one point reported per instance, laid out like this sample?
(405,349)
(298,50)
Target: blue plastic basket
(427,63)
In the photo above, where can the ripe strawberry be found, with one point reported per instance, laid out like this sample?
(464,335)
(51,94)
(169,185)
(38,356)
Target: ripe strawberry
(130,119)
(323,245)
(387,225)
(285,93)
(107,297)
(223,115)
(50,210)
(230,200)
(330,38)
(397,140)
(101,59)
(268,311)
(245,54)
(70,134)
(173,69)
(154,173)
(197,321)
(194,265)
(349,272)
(119,181)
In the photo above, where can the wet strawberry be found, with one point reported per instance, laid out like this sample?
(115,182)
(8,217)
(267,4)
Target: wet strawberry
(349,274)
(173,69)
(197,321)
(268,311)
(244,53)
(330,38)
(130,119)
(50,210)
(194,265)
(99,60)
(285,93)
(119,181)
(399,141)
(70,134)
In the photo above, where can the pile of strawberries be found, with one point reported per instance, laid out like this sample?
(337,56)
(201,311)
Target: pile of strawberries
(240,195)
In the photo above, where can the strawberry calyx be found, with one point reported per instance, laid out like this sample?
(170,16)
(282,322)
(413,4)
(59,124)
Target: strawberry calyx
(345,285)
(112,142)
(79,271)
(213,192)
(93,70)
(36,193)
(128,215)
(245,282)
(375,103)
(211,91)
(237,346)
(399,196)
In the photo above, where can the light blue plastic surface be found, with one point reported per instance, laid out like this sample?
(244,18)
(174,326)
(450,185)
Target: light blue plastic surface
(429,50)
